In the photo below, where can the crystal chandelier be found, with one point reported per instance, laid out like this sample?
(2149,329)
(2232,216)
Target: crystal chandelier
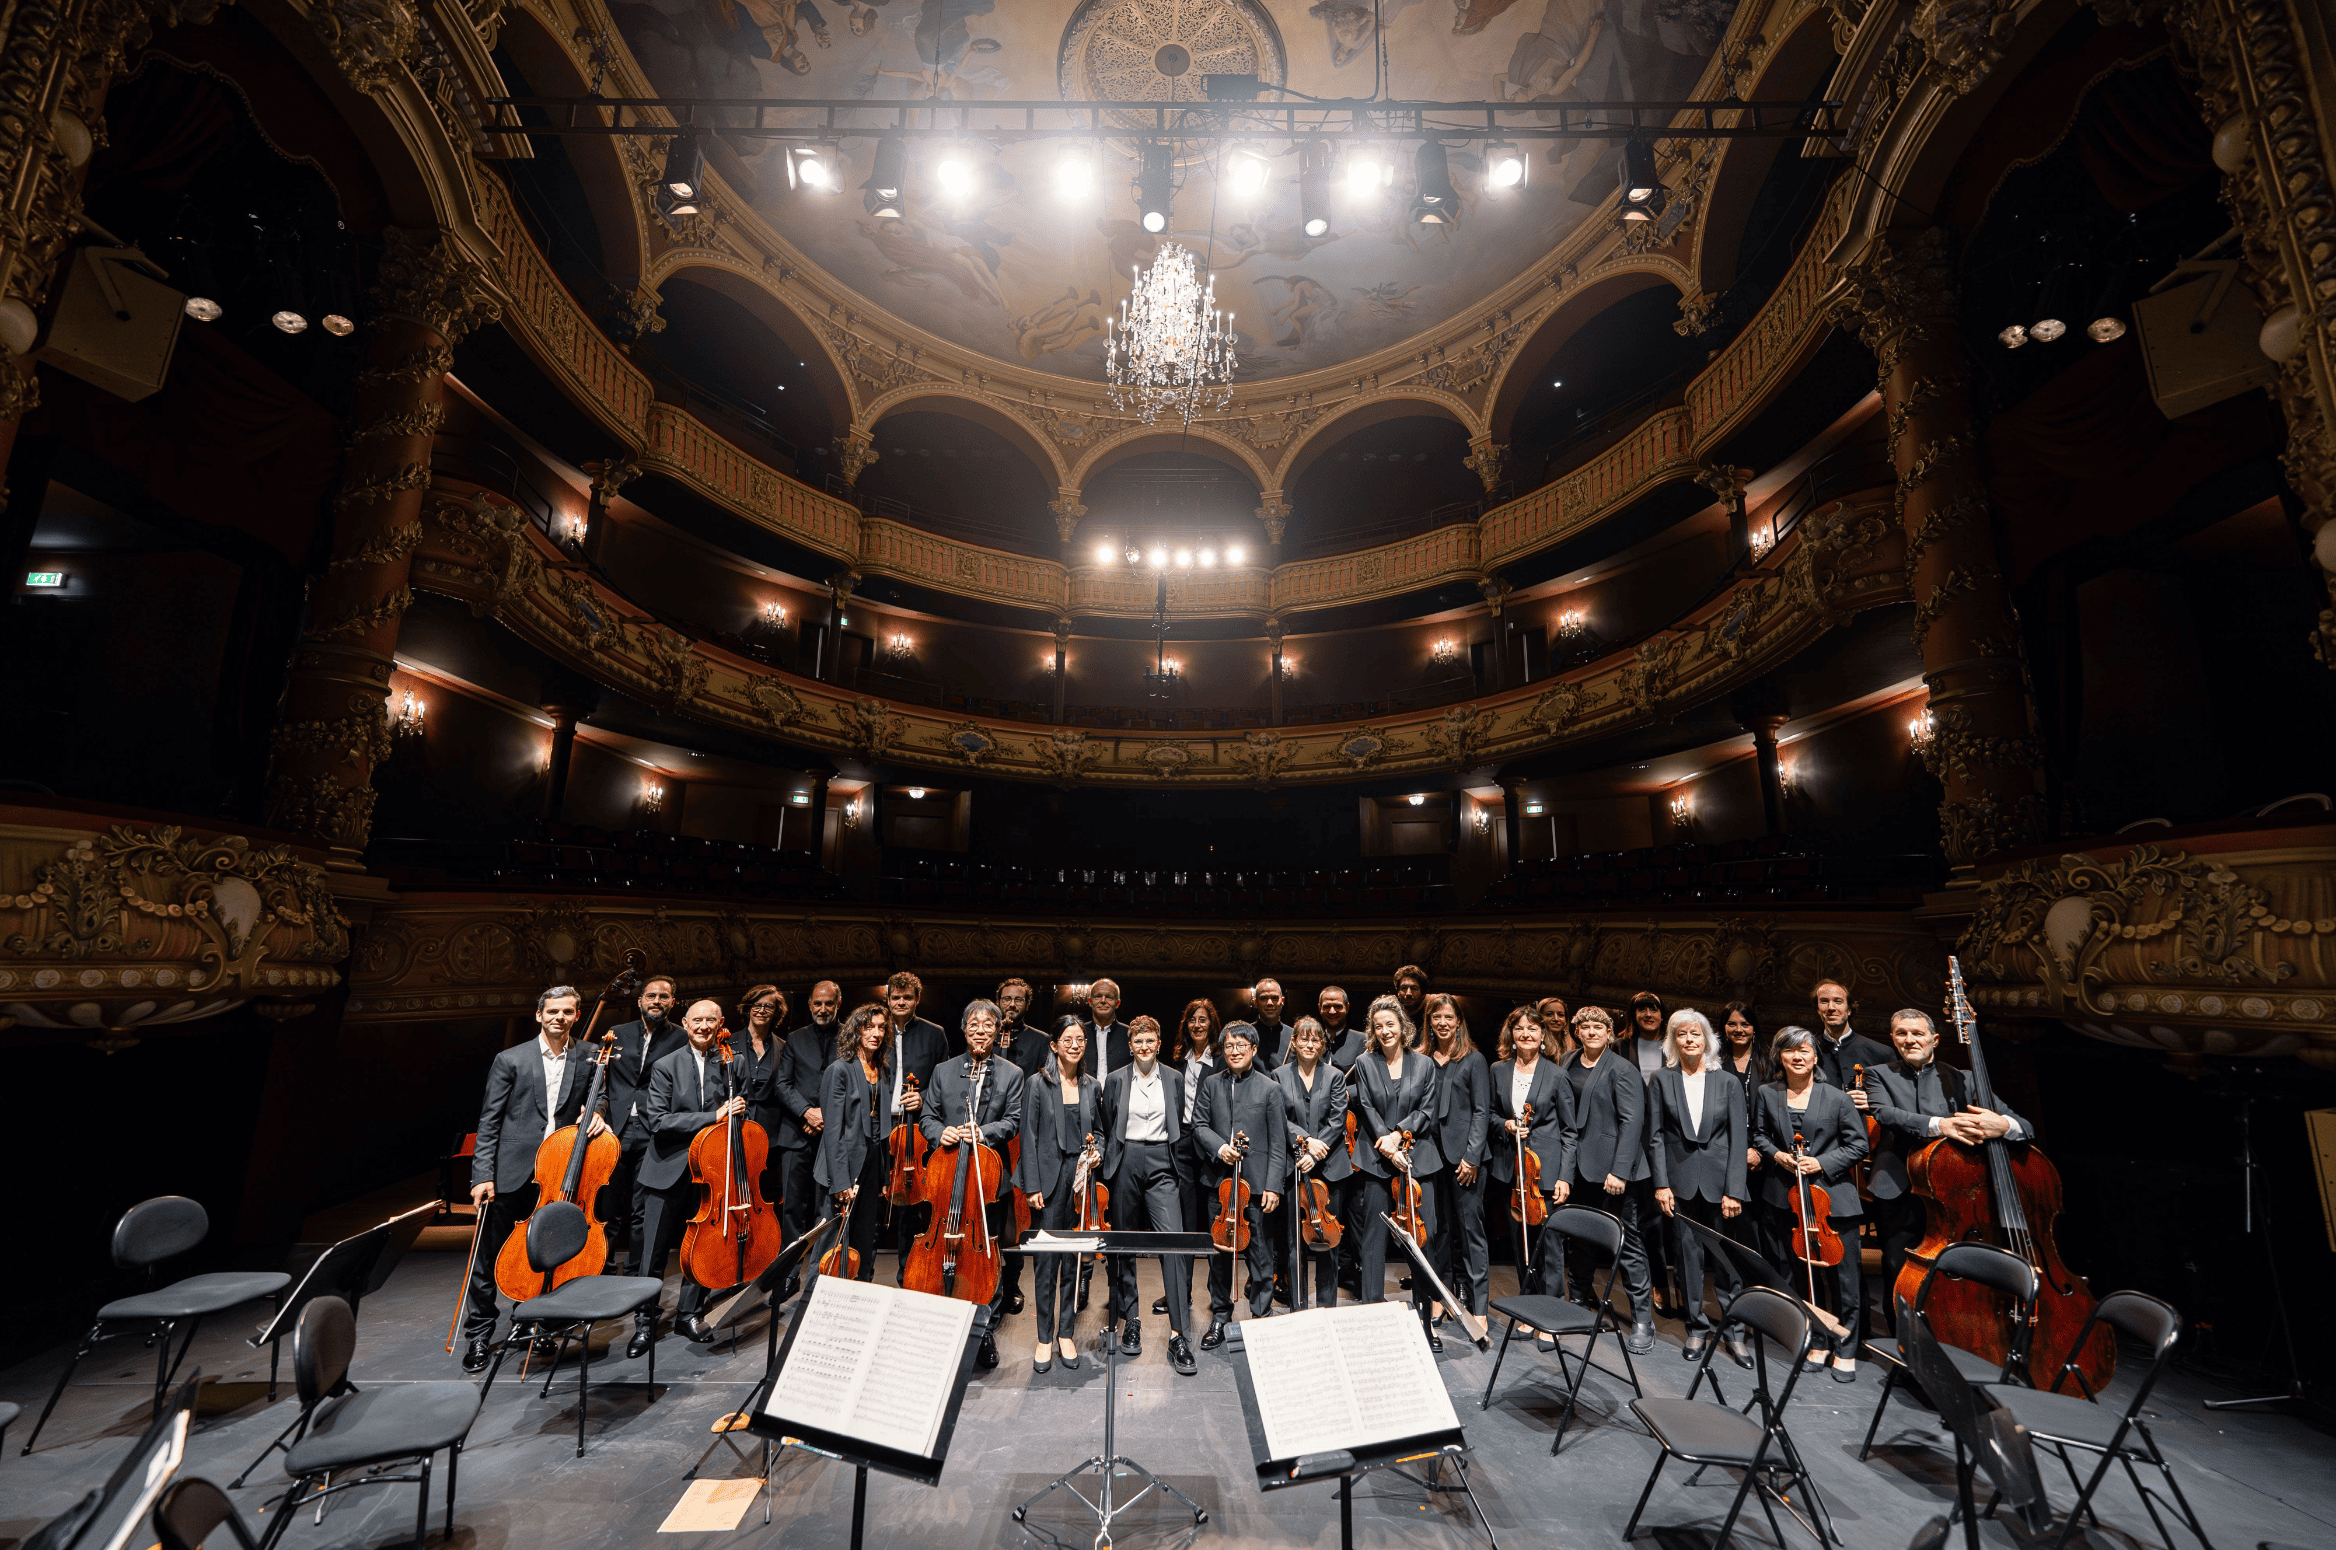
(1170,347)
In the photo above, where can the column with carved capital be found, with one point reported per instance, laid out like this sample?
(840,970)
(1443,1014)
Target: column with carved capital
(1067,512)
(1496,597)
(335,726)
(609,475)
(1488,460)
(839,591)
(1062,663)
(1900,299)
(1728,483)
(856,448)
(1273,633)
(1273,513)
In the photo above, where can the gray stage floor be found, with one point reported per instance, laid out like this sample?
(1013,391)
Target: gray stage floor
(2256,1478)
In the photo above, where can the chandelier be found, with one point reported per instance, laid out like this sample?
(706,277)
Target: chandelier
(1170,347)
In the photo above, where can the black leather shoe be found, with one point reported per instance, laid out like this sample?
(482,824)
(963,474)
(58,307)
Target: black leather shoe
(1159,1307)
(695,1330)
(1739,1352)
(480,1352)
(644,1336)
(1641,1338)
(1697,1340)
(1215,1337)
(1014,1302)
(1180,1356)
(1131,1338)
(1435,1341)
(987,1357)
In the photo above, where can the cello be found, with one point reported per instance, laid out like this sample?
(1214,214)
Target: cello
(566,1171)
(1094,1202)
(735,1234)
(2006,1193)
(1229,1228)
(950,1259)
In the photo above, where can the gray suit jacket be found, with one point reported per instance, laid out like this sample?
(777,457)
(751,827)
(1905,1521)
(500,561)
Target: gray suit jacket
(1115,1122)
(844,1142)
(628,1074)
(1383,1105)
(1050,1151)
(1906,1117)
(1610,1116)
(676,1109)
(1253,1105)
(1320,1114)
(1467,1114)
(1832,1131)
(802,1060)
(1550,1136)
(1698,1161)
(998,1113)
(512,1123)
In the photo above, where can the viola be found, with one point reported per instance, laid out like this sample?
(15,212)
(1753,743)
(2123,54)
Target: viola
(1317,1228)
(567,1171)
(1407,1196)
(903,1184)
(1229,1228)
(843,1260)
(1527,1204)
(1350,1133)
(1094,1203)
(2008,1194)
(735,1234)
(1814,1240)
(955,1257)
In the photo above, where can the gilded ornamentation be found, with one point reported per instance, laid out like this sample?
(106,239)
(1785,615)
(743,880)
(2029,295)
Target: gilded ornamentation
(362,617)
(856,451)
(676,670)
(1956,751)
(370,41)
(423,421)
(1955,583)
(1697,314)
(781,704)
(414,368)
(361,738)
(1457,734)
(388,548)
(1066,755)
(1972,830)
(1488,460)
(1899,293)
(869,728)
(1653,668)
(1941,520)
(1965,38)
(358,492)
(1365,748)
(970,742)
(425,278)
(1555,709)
(630,313)
(1263,754)
(1165,758)
(320,805)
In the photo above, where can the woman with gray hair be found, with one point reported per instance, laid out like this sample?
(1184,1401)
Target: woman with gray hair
(1697,1134)
(1809,1128)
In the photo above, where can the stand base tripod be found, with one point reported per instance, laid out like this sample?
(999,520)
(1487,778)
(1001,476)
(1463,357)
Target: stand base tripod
(1107,1464)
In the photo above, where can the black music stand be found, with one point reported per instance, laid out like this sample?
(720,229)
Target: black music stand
(1126,1245)
(106,1517)
(1479,1333)
(754,1294)
(862,1456)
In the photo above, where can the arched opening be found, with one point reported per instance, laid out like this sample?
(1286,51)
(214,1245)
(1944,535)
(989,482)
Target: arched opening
(574,193)
(952,474)
(1196,497)
(1601,377)
(749,355)
(1382,480)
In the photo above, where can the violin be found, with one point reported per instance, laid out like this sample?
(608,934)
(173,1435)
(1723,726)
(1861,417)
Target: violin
(1814,1240)
(843,1260)
(1528,1204)
(953,1258)
(1229,1228)
(1865,1165)
(1094,1201)
(907,1145)
(2006,1193)
(735,1234)
(1317,1228)
(567,1171)
(1407,1196)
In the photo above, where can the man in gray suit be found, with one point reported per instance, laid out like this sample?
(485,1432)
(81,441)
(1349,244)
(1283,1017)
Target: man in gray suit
(977,1096)
(532,1090)
(685,1096)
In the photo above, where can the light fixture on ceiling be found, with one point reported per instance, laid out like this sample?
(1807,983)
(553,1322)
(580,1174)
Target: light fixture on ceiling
(2012,335)
(1504,166)
(916,793)
(289,320)
(1074,175)
(957,173)
(1155,187)
(2045,330)
(1436,202)
(1417,799)
(2105,329)
(1246,172)
(1640,179)
(1183,559)
(1314,188)
(811,166)
(1159,559)
(1235,555)
(683,184)
(887,179)
(337,324)
(204,310)
(1135,556)
(1170,348)
(1103,554)
(1208,557)
(1367,171)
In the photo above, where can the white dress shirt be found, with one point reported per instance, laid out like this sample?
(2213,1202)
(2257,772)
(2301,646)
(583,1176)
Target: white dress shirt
(555,1077)
(1147,1106)
(1194,1065)
(1692,1082)
(1520,1086)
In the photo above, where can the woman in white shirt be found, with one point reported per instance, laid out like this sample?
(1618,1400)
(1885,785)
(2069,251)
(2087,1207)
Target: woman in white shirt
(1697,1136)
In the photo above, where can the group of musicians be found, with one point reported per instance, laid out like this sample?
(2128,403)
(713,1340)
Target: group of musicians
(1660,1121)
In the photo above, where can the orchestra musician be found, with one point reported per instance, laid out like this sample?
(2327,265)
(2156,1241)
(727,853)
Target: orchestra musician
(1410,984)
(802,1060)
(762,1012)
(1610,1155)
(1460,1253)
(1698,1134)
(1833,1137)
(1345,1044)
(1393,1088)
(1273,1035)
(1242,1100)
(1519,1078)
(1194,1055)
(640,1044)
(1107,1041)
(855,1097)
(1557,1038)
(1314,1106)
(1143,1104)
(988,1088)
(1918,1098)
(685,1096)
(1342,1047)
(1647,1045)
(1744,1057)
(532,1090)
(917,1047)
(1060,1110)
(1020,1040)
(1840,1048)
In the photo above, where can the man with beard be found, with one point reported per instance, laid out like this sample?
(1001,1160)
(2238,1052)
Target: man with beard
(808,1051)
(640,1044)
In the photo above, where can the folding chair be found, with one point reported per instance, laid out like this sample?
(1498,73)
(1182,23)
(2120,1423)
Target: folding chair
(190,1508)
(1986,1438)
(1705,1433)
(556,1233)
(1999,1269)
(149,1233)
(2080,1420)
(362,1429)
(1558,1317)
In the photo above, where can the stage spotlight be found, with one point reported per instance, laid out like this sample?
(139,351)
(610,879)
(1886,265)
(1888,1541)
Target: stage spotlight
(204,310)
(1155,188)
(290,321)
(1246,173)
(1504,166)
(1367,171)
(1184,557)
(1435,204)
(2045,330)
(1103,554)
(887,179)
(2012,336)
(1236,555)
(1640,182)
(341,327)
(1159,559)
(1074,175)
(679,189)
(1208,557)
(1314,188)
(959,177)
(2105,329)
(811,166)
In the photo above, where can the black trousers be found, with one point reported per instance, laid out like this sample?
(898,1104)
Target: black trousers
(1688,1254)
(1460,1253)
(1324,1261)
(665,1213)
(1199,1194)
(1900,1222)
(1660,1262)
(620,1202)
(1145,1197)
(1376,1199)
(800,1198)
(1580,1263)
(1841,1289)
(868,1210)
(1261,1258)
(1054,1278)
(496,1220)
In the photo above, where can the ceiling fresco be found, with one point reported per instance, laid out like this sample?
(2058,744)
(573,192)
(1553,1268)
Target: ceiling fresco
(1017,272)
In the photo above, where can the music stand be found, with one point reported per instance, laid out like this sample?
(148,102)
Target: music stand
(746,1299)
(107,1516)
(862,1455)
(1477,1330)
(1125,1245)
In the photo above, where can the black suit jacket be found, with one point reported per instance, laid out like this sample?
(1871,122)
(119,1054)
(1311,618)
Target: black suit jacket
(1610,1116)
(628,1074)
(998,1111)
(1115,1123)
(1320,1114)
(1698,1161)
(512,1123)
(919,1049)
(1026,1045)
(1467,1111)
(1346,1047)
(1834,1064)
(807,1053)
(1273,1044)
(1111,1041)
(676,1109)
(1551,1135)
(1382,1105)
(1254,1105)
(1832,1131)
(1050,1152)
(843,1142)
(1906,1117)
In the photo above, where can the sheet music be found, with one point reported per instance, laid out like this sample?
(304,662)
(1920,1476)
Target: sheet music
(1344,1378)
(874,1363)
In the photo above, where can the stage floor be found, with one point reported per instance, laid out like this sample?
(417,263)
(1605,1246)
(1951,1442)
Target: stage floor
(2256,1478)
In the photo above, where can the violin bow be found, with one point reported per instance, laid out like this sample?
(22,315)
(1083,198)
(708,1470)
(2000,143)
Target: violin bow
(462,1294)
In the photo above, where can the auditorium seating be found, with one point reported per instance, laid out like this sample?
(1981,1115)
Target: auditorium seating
(577,856)
(1765,871)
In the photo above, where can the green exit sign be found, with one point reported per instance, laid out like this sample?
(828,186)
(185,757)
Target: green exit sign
(44,578)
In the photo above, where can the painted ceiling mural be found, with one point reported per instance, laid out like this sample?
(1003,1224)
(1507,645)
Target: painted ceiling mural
(1016,272)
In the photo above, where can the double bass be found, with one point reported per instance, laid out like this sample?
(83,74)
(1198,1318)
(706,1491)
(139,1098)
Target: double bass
(954,1258)
(735,1234)
(1229,1228)
(2005,1193)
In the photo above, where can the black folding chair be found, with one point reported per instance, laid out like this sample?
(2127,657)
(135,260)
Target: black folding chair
(1997,1269)
(2079,1420)
(1706,1433)
(190,1508)
(149,1233)
(344,1427)
(1986,1438)
(1559,1317)
(556,1234)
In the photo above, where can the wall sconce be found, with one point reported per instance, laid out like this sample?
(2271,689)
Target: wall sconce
(1763,540)
(916,793)
(652,798)
(900,648)
(774,614)
(571,534)
(1445,651)
(1571,625)
(852,813)
(1417,799)
(410,717)
(1920,731)
(1785,779)
(1682,809)
(1483,818)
